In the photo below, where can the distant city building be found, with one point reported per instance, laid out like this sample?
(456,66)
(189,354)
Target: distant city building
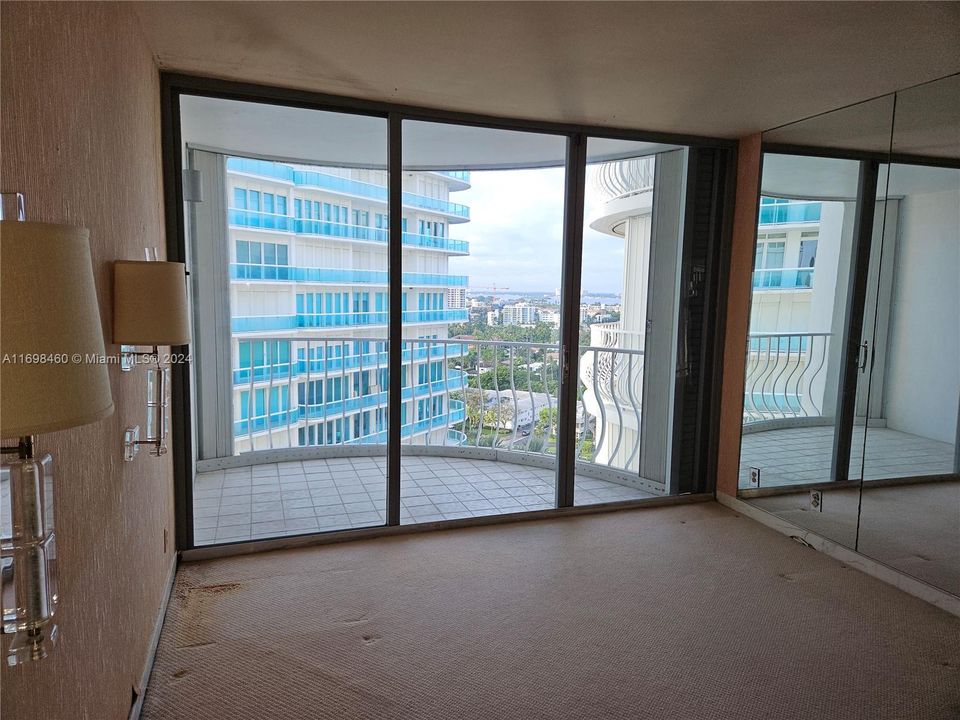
(550,316)
(456,297)
(520,314)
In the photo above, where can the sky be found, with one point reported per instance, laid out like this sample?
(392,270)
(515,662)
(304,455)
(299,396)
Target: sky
(516,233)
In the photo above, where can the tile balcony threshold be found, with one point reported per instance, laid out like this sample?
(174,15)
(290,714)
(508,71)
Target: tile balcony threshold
(297,497)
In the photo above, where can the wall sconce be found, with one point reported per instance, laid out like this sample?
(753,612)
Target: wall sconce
(149,309)
(53,375)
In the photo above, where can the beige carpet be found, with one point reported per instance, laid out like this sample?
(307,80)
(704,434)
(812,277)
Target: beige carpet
(914,528)
(679,612)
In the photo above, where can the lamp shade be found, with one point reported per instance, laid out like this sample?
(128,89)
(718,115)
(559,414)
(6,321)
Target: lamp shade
(150,303)
(53,373)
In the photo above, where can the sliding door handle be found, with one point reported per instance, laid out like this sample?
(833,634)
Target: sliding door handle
(864,354)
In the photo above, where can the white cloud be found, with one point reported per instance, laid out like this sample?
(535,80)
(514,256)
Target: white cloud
(516,233)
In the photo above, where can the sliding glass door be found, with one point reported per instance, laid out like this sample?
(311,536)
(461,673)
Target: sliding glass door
(408,319)
(291,297)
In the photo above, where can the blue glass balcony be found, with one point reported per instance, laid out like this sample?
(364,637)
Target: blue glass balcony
(322,228)
(782,213)
(462,175)
(337,365)
(246,271)
(445,316)
(783,279)
(265,422)
(260,220)
(263,323)
(437,243)
(455,413)
(456,438)
(346,186)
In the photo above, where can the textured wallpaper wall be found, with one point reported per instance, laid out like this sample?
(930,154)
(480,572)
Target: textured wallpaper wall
(80,137)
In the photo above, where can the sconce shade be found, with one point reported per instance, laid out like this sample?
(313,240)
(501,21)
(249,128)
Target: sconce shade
(150,303)
(53,373)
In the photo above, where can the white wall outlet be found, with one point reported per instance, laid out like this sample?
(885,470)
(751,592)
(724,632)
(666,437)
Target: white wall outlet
(816,500)
(755,477)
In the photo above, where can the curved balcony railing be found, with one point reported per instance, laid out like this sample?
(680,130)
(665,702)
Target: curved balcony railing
(612,335)
(322,228)
(346,186)
(455,438)
(339,276)
(483,394)
(622,178)
(613,391)
(785,376)
(461,175)
(267,323)
(330,356)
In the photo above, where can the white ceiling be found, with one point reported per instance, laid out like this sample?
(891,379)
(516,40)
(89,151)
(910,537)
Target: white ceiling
(717,69)
(331,138)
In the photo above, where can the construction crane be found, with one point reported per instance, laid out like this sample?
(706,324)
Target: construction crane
(489,287)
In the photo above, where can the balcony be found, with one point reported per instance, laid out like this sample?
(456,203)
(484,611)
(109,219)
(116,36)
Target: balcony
(783,279)
(785,213)
(337,276)
(456,179)
(785,377)
(345,186)
(267,323)
(623,178)
(491,450)
(251,219)
(332,355)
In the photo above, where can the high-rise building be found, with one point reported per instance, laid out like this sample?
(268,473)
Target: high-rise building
(520,314)
(309,291)
(456,297)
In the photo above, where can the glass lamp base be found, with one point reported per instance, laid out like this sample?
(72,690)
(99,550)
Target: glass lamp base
(29,558)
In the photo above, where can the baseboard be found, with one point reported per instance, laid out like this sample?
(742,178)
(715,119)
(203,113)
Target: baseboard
(154,641)
(248,547)
(874,568)
(844,485)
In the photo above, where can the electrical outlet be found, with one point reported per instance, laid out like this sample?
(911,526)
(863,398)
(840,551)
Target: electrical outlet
(755,477)
(816,500)
(164,541)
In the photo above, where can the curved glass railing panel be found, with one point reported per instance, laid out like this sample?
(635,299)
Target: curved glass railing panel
(794,211)
(783,279)
(250,271)
(346,186)
(322,228)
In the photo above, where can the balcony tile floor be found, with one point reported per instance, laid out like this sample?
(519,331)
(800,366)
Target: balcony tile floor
(292,498)
(803,454)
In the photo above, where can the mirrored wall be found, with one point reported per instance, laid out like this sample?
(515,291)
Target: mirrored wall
(852,386)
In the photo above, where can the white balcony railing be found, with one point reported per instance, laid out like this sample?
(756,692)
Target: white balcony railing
(785,376)
(622,178)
